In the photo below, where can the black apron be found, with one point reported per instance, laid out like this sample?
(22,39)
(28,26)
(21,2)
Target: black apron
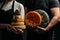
(6,17)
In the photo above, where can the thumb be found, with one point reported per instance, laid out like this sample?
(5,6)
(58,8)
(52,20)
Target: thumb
(21,30)
(41,28)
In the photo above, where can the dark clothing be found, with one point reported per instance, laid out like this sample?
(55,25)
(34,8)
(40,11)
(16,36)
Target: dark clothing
(41,4)
(57,32)
(6,17)
(45,5)
(59,3)
(59,0)
(21,1)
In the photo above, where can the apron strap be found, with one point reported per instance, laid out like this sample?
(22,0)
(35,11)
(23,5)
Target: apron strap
(13,7)
(2,5)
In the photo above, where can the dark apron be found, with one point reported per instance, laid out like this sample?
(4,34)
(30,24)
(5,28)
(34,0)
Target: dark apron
(6,17)
(56,32)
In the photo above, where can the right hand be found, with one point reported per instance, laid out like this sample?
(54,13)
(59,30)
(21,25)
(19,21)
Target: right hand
(15,29)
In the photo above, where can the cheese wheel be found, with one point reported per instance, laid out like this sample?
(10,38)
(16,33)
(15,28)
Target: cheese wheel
(33,18)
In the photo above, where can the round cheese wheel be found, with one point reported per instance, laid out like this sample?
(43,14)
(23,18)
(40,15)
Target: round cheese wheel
(33,18)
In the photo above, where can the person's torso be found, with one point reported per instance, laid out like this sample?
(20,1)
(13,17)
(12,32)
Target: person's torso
(6,16)
(6,13)
(37,4)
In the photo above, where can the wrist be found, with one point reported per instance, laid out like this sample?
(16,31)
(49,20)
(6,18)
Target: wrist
(47,28)
(4,25)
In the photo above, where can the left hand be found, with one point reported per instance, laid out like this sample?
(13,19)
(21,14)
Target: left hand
(40,30)
(43,29)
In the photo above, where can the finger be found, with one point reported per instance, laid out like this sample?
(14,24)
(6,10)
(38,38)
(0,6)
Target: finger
(20,30)
(17,32)
(14,29)
(41,28)
(8,29)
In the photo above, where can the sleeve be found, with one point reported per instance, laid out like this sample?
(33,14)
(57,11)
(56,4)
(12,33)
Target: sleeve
(22,12)
(53,3)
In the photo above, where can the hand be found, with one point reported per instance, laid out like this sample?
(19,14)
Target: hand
(38,30)
(15,29)
(44,29)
